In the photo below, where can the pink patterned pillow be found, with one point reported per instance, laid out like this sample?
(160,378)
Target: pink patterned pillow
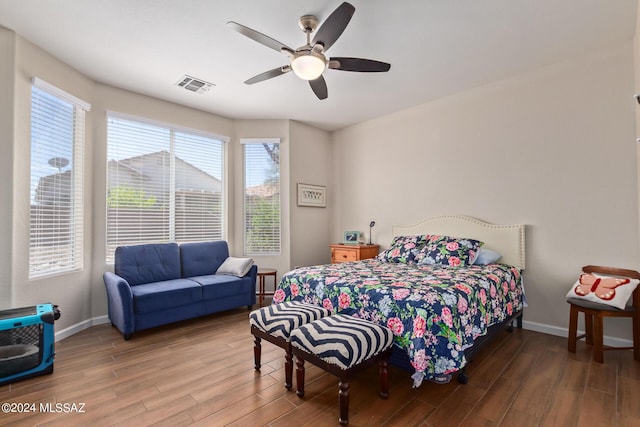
(450,251)
(404,249)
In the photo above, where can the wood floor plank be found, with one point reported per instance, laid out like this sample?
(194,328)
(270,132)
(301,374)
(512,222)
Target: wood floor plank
(628,392)
(532,400)
(225,398)
(496,401)
(242,381)
(431,393)
(167,411)
(629,422)
(314,404)
(598,409)
(409,415)
(179,419)
(489,368)
(459,404)
(627,367)
(603,377)
(377,411)
(517,418)
(264,414)
(573,377)
(313,388)
(564,409)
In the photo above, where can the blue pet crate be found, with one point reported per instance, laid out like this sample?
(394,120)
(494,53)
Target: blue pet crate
(27,342)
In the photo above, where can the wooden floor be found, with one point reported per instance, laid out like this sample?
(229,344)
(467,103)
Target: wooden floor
(200,373)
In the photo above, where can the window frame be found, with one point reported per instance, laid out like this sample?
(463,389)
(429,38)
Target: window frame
(70,260)
(174,198)
(244,142)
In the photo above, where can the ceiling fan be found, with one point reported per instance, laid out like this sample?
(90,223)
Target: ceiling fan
(309,61)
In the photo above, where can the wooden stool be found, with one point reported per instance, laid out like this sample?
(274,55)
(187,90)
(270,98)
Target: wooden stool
(340,344)
(262,273)
(275,323)
(594,314)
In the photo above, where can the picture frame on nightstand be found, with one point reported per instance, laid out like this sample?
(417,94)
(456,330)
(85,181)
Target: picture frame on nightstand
(351,237)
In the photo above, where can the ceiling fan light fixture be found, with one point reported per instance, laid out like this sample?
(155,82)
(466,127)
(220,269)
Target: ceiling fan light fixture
(308,65)
(309,61)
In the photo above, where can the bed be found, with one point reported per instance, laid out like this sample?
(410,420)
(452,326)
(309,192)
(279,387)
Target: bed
(441,306)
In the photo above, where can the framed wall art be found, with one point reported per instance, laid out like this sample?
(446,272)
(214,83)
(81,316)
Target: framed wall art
(311,195)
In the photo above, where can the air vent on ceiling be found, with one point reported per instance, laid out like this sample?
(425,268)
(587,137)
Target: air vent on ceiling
(193,84)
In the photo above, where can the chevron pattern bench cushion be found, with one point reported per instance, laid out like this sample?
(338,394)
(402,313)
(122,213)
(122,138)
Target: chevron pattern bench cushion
(279,320)
(341,340)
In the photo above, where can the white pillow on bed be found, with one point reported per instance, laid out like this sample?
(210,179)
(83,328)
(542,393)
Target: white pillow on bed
(486,256)
(235,266)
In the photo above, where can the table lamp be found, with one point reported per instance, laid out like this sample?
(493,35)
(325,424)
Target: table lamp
(371,225)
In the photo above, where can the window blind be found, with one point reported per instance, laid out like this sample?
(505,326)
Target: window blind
(57,171)
(164,184)
(261,196)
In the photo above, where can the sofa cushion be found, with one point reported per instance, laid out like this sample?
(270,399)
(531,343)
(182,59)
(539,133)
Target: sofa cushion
(148,263)
(202,258)
(222,285)
(167,294)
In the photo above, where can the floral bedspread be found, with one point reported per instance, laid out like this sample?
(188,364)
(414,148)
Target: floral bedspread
(435,312)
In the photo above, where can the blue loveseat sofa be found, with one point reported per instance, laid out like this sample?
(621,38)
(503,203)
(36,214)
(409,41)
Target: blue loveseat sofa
(156,284)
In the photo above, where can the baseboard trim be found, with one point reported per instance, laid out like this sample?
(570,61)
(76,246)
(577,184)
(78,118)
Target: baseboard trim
(78,327)
(564,332)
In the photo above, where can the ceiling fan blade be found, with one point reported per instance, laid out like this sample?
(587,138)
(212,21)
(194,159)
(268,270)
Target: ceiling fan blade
(319,87)
(358,64)
(269,74)
(259,37)
(334,25)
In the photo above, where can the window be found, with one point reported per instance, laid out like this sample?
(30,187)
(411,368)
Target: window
(261,196)
(57,151)
(164,184)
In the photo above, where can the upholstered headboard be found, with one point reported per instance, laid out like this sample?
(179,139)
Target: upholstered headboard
(508,240)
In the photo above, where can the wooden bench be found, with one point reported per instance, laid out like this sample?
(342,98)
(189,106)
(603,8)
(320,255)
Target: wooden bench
(341,344)
(274,323)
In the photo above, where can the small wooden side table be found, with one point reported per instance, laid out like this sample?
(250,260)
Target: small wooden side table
(347,253)
(262,273)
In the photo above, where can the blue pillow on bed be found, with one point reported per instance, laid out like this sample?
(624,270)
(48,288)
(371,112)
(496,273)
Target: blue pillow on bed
(486,256)
(404,249)
(449,251)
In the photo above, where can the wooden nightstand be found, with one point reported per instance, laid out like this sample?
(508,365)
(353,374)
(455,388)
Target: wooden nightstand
(346,253)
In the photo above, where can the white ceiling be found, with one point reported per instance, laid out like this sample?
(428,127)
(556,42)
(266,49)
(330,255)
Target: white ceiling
(436,48)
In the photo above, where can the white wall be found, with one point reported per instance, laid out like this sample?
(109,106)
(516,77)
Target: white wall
(636,57)
(7,87)
(310,164)
(554,149)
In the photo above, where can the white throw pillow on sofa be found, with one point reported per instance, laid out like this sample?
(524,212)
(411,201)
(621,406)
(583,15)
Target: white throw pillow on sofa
(235,266)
